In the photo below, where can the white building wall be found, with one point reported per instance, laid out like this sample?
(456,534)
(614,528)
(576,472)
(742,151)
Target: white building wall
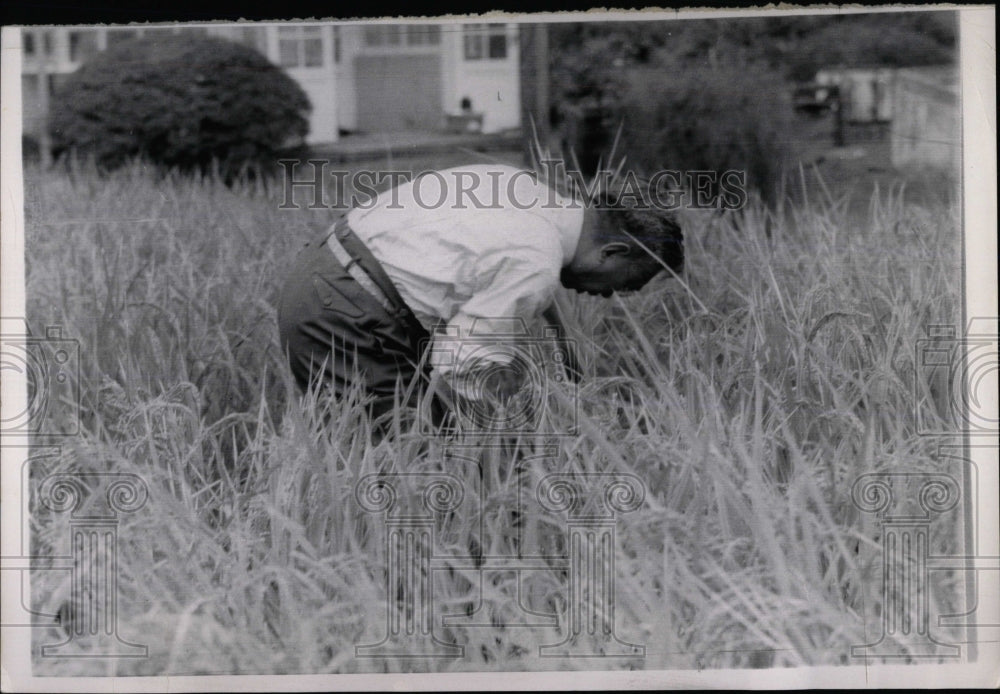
(451,62)
(492,85)
(927,129)
(318,82)
(866,92)
(347,104)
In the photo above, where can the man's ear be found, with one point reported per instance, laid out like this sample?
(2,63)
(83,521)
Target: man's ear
(614,248)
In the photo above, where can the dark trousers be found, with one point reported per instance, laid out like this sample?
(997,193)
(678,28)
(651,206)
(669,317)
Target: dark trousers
(334,331)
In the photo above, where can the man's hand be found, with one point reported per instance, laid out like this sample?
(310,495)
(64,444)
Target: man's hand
(483,381)
(502,383)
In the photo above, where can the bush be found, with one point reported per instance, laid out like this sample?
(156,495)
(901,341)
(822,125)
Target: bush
(183,102)
(587,87)
(708,118)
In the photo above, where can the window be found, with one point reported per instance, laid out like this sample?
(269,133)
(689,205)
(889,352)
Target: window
(312,46)
(300,46)
(423,35)
(393,35)
(288,51)
(30,84)
(497,38)
(374,36)
(383,35)
(484,41)
(472,41)
(30,42)
(82,44)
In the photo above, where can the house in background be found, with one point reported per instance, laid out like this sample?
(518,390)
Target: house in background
(370,78)
(865,92)
(927,129)
(917,109)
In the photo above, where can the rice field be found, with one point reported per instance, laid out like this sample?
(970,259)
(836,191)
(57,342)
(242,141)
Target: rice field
(743,400)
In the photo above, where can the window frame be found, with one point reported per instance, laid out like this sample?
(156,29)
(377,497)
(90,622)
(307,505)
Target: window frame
(402,38)
(478,42)
(297,36)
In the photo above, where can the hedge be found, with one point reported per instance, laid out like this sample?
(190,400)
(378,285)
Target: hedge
(190,103)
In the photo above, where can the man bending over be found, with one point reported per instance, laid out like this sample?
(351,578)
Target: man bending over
(453,249)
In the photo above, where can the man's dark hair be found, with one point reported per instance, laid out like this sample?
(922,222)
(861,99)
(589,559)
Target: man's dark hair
(627,215)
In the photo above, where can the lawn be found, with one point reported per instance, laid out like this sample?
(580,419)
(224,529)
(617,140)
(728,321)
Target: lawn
(742,401)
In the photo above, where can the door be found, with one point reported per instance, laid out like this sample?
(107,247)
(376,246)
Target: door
(398,92)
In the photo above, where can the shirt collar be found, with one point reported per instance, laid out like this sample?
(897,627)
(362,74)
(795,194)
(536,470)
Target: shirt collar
(568,219)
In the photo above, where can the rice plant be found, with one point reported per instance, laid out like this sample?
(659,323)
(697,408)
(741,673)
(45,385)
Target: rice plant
(746,397)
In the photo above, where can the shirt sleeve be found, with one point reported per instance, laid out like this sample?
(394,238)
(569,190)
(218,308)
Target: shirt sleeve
(516,283)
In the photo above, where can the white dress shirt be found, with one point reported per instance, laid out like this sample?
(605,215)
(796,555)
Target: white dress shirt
(472,246)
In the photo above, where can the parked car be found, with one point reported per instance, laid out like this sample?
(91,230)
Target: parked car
(814,98)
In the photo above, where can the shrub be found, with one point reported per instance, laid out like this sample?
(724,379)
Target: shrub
(182,102)
(587,86)
(709,118)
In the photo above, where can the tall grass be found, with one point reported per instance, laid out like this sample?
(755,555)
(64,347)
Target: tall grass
(747,398)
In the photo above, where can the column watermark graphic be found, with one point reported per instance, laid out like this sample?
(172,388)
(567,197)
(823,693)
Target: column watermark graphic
(591,503)
(84,610)
(19,562)
(929,519)
(409,546)
(94,502)
(586,505)
(905,505)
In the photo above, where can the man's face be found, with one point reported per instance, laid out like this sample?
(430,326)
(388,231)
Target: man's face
(596,278)
(601,266)
(605,274)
